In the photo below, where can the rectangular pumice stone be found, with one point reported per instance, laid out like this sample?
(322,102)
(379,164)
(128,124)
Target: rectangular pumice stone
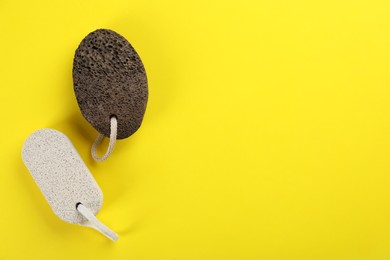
(61,174)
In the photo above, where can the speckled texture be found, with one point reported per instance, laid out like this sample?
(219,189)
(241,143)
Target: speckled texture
(61,174)
(110,79)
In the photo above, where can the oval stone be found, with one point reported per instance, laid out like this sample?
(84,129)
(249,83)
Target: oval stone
(110,80)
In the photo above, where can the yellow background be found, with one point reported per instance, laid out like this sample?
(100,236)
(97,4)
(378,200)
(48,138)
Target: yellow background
(266,136)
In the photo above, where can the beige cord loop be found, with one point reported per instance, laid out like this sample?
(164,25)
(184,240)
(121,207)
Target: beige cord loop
(93,222)
(99,139)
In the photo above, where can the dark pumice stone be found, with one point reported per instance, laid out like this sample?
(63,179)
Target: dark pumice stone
(110,80)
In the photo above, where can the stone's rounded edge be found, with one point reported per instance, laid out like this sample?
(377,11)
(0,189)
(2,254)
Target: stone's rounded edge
(109,79)
(35,134)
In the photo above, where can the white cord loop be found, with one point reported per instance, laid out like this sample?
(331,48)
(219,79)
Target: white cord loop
(93,222)
(99,139)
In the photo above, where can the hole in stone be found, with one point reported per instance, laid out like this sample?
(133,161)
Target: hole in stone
(77,204)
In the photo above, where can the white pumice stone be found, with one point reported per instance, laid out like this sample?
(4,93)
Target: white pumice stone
(61,174)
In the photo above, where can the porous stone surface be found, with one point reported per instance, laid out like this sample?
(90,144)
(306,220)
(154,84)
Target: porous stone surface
(110,80)
(61,174)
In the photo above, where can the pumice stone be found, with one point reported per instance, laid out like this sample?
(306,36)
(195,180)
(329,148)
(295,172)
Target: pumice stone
(64,179)
(110,81)
(61,174)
